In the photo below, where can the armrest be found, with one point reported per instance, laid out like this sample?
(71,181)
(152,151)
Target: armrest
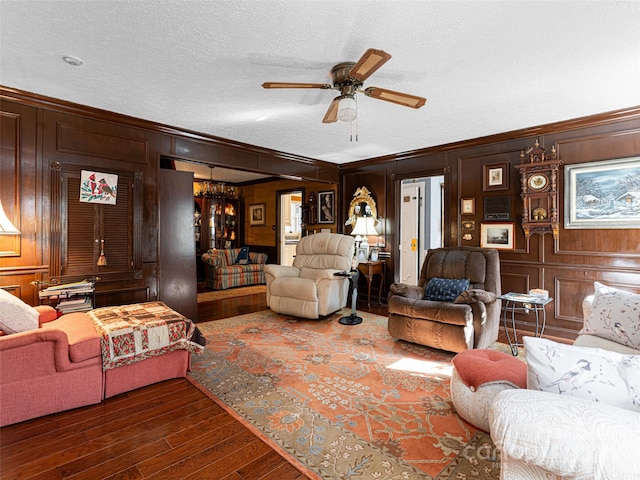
(47,313)
(406,290)
(213,259)
(34,354)
(322,274)
(476,295)
(567,436)
(277,271)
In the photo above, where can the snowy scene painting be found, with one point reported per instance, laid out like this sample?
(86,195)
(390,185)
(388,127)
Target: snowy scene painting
(96,187)
(603,194)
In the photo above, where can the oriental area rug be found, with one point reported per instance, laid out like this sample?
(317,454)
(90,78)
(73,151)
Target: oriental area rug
(342,402)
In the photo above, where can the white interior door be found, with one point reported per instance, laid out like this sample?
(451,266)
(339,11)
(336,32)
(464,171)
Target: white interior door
(421,218)
(290,225)
(409,233)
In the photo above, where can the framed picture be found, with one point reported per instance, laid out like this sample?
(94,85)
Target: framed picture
(257,214)
(362,254)
(468,225)
(96,187)
(497,235)
(373,255)
(468,206)
(496,176)
(325,207)
(603,194)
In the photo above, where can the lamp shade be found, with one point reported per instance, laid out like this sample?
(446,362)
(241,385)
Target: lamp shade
(347,111)
(6,227)
(365,226)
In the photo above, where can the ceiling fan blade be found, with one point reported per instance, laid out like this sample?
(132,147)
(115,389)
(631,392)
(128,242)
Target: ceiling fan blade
(370,61)
(294,85)
(332,112)
(400,98)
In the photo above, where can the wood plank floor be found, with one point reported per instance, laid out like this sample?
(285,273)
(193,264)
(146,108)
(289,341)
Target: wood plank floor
(170,430)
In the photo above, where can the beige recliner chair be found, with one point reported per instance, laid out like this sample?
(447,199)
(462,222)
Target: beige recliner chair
(469,320)
(309,288)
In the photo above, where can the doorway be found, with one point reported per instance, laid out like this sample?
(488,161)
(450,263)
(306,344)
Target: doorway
(421,223)
(289,224)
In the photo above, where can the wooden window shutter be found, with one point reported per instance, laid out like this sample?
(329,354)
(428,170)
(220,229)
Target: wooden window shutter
(81,251)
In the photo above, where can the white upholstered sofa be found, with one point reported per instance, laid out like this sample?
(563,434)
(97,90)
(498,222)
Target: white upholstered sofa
(555,434)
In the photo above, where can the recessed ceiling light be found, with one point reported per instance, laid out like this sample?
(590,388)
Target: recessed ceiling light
(75,61)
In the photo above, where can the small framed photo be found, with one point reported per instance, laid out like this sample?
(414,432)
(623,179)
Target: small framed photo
(496,176)
(468,206)
(373,255)
(326,207)
(362,254)
(257,214)
(497,235)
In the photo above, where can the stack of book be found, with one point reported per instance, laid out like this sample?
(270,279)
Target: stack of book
(68,305)
(72,297)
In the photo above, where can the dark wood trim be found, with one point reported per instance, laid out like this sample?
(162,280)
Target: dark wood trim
(44,102)
(546,129)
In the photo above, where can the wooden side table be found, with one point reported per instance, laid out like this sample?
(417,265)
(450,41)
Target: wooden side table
(369,270)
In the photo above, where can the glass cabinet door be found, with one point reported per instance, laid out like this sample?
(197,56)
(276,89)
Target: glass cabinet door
(230,225)
(222,223)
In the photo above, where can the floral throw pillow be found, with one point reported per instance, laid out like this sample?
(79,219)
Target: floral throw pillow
(590,373)
(445,289)
(615,315)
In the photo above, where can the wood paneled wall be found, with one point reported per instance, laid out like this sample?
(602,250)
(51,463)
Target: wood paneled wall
(267,193)
(37,131)
(567,267)
(39,134)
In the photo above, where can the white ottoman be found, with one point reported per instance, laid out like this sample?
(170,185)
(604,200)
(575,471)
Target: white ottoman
(477,377)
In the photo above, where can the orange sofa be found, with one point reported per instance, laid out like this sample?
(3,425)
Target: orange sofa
(59,367)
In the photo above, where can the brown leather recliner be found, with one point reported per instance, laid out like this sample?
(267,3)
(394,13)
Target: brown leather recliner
(470,321)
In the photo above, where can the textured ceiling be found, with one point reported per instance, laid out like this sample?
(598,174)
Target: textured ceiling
(485,67)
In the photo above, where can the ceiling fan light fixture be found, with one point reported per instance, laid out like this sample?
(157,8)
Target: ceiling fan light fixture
(347,108)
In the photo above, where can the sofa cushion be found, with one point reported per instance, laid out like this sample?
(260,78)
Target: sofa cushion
(15,315)
(445,289)
(589,373)
(84,341)
(614,315)
(243,256)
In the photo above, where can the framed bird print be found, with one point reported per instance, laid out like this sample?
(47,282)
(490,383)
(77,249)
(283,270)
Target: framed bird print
(96,187)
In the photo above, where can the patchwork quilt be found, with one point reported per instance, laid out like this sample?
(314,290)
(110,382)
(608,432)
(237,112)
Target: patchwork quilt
(130,333)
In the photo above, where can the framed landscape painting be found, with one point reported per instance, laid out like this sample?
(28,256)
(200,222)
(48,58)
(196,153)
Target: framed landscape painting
(603,194)
(496,235)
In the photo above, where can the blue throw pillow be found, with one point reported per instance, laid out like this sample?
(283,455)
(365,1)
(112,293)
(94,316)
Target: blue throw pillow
(243,256)
(445,289)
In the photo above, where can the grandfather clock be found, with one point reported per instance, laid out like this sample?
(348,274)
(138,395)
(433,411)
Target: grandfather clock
(539,184)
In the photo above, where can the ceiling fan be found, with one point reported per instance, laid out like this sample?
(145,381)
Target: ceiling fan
(348,78)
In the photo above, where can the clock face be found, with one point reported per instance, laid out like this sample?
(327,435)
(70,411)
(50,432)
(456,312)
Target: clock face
(538,181)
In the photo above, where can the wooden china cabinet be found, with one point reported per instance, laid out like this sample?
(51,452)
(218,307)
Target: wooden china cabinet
(220,223)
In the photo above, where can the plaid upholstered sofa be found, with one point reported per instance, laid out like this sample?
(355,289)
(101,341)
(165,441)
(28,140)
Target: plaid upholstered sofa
(222,271)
